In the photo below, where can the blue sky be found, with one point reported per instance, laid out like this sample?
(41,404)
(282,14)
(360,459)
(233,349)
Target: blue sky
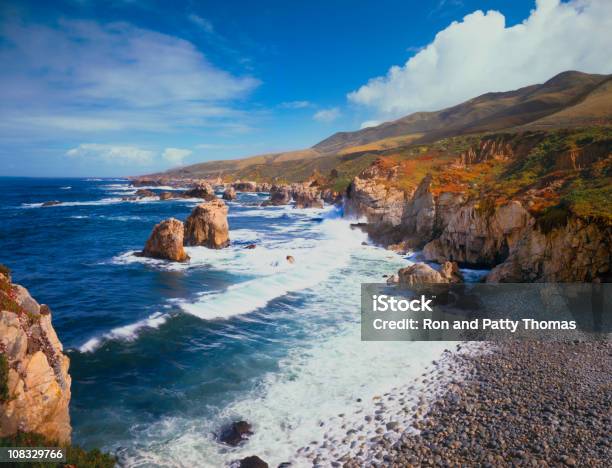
(125,87)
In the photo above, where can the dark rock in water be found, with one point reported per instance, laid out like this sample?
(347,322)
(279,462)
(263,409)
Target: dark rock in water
(235,433)
(284,465)
(167,195)
(290,259)
(279,195)
(204,191)
(253,462)
(317,220)
(141,193)
(250,246)
(52,203)
(229,194)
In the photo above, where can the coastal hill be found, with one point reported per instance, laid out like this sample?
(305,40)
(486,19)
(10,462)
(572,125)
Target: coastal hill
(569,99)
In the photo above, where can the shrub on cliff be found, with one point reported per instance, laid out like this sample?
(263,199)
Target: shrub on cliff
(75,455)
(4,372)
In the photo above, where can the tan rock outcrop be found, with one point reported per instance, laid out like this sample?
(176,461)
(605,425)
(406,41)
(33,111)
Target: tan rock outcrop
(579,251)
(477,237)
(166,241)
(207,225)
(307,197)
(229,194)
(279,195)
(202,190)
(421,273)
(38,382)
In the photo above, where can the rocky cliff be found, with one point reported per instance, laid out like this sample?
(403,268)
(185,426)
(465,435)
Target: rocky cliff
(533,206)
(35,385)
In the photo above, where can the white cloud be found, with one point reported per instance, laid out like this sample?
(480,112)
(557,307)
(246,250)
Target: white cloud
(481,54)
(327,115)
(295,104)
(88,76)
(176,155)
(370,123)
(112,154)
(202,23)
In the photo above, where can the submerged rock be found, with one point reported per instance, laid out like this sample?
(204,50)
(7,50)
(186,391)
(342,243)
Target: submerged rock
(166,241)
(229,194)
(207,225)
(52,203)
(236,433)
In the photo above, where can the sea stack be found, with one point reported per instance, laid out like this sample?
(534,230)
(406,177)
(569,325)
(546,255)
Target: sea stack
(202,190)
(166,241)
(34,379)
(229,194)
(207,225)
(279,195)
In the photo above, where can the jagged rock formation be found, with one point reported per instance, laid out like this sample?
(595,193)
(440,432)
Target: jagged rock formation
(203,190)
(514,223)
(369,195)
(244,186)
(207,225)
(422,273)
(36,394)
(166,241)
(307,197)
(279,195)
(578,251)
(229,194)
(475,237)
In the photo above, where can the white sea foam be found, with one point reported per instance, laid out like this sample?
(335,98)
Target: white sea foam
(314,261)
(67,187)
(124,333)
(103,201)
(315,383)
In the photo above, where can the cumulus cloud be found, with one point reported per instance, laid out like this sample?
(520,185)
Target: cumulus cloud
(112,154)
(327,115)
(295,104)
(84,75)
(176,155)
(481,54)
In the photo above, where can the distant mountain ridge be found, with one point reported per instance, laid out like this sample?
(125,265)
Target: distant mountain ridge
(569,99)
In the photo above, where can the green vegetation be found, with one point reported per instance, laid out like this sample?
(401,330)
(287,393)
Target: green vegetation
(75,455)
(553,217)
(4,372)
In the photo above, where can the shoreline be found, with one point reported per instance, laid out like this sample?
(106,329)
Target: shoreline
(520,403)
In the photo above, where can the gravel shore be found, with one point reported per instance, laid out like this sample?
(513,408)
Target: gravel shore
(520,404)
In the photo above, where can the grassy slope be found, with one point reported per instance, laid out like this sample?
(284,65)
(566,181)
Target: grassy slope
(568,99)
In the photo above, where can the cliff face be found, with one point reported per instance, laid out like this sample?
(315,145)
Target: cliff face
(533,207)
(36,389)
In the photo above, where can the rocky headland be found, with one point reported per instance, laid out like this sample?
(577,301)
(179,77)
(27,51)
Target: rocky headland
(34,378)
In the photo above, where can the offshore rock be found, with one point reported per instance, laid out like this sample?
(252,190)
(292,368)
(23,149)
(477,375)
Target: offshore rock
(306,197)
(203,190)
(166,241)
(229,194)
(207,225)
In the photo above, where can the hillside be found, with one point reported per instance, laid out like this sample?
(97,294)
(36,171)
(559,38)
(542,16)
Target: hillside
(569,99)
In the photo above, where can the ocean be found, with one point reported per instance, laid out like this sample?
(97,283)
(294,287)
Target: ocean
(163,355)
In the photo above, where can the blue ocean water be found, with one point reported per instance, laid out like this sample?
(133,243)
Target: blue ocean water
(162,354)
